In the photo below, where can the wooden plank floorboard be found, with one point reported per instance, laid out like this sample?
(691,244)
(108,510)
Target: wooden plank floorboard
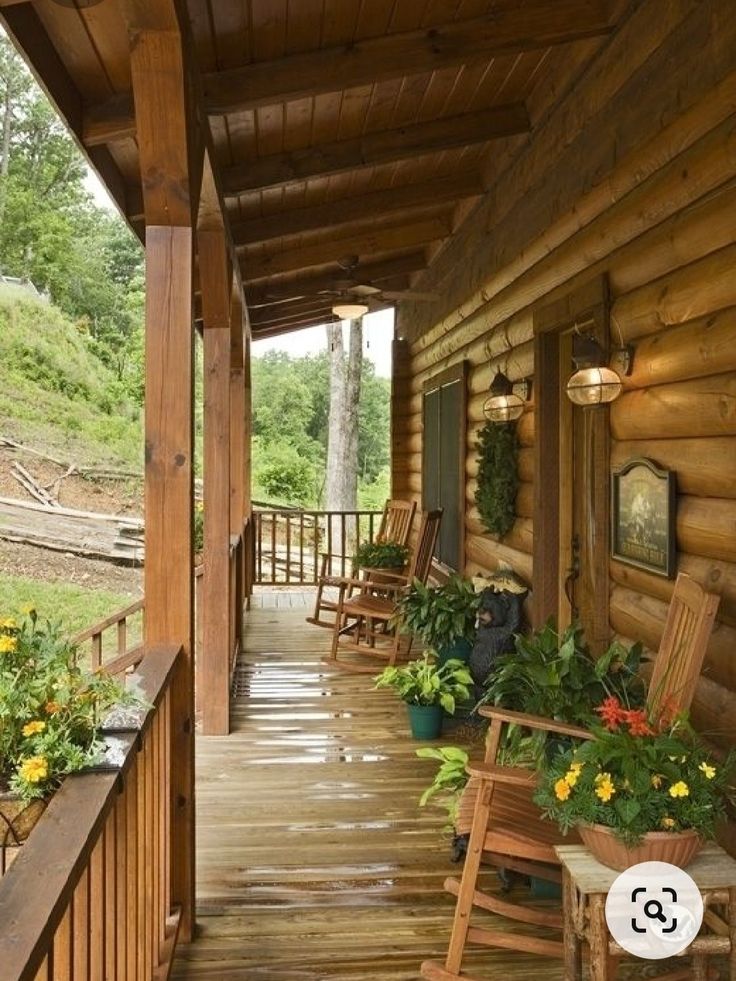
(314,862)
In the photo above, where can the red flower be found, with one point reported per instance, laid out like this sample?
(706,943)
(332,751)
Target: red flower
(636,720)
(611,713)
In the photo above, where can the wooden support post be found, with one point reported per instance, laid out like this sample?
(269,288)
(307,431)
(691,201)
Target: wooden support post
(214,671)
(162,114)
(248,464)
(237,451)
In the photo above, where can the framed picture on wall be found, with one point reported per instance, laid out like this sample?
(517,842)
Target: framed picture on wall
(643,501)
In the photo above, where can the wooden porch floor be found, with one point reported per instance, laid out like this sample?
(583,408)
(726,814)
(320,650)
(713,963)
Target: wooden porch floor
(314,861)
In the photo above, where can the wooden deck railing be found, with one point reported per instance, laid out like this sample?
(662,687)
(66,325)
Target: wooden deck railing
(114,631)
(88,897)
(288,544)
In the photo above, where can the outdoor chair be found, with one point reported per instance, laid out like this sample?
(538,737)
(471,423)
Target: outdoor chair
(365,621)
(395,526)
(506,827)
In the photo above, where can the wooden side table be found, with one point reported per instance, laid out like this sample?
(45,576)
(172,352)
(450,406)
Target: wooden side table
(585,885)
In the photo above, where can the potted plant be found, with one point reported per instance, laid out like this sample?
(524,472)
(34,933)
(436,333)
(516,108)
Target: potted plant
(50,712)
(642,789)
(443,617)
(429,689)
(556,676)
(381,555)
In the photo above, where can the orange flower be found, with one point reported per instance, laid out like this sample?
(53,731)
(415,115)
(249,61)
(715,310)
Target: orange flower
(611,713)
(52,707)
(637,722)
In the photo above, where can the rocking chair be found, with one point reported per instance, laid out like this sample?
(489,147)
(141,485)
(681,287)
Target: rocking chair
(506,827)
(395,526)
(372,609)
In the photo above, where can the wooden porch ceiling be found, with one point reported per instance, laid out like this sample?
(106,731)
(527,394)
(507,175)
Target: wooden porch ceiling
(348,136)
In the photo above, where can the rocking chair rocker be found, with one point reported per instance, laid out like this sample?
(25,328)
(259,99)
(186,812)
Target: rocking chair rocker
(506,827)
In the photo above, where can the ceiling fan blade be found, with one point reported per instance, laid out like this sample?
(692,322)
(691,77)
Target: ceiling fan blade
(409,295)
(364,289)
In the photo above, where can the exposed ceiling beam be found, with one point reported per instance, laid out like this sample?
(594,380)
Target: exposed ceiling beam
(509,30)
(360,207)
(385,146)
(273,330)
(383,239)
(272,316)
(504,31)
(389,273)
(275,302)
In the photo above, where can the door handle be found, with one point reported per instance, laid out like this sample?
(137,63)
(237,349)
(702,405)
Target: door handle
(573,572)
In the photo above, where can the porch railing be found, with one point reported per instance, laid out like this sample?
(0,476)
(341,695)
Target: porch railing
(120,634)
(89,894)
(289,544)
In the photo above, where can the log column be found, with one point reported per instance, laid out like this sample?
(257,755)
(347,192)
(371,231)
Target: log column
(218,634)
(161,109)
(237,453)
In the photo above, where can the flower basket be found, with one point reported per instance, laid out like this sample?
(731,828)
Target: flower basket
(18,818)
(676,847)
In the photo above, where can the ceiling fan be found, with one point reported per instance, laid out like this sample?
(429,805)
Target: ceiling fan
(352,288)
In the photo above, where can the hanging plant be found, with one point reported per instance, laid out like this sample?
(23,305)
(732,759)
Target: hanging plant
(498,478)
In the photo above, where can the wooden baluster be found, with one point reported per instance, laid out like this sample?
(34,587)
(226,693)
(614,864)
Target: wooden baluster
(315,546)
(131,875)
(343,542)
(328,518)
(146,941)
(44,971)
(122,636)
(288,547)
(370,527)
(301,546)
(112,918)
(96,650)
(62,951)
(80,934)
(273,548)
(97,912)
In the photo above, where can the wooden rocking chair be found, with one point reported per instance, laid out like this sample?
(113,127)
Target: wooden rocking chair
(371,609)
(395,526)
(506,827)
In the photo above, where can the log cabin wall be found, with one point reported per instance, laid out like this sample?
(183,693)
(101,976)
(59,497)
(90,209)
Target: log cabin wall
(629,172)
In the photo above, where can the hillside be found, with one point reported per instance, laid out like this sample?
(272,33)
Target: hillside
(56,393)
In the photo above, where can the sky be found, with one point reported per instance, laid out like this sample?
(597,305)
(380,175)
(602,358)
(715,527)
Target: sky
(378,332)
(378,328)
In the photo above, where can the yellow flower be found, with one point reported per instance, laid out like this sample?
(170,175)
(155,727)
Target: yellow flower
(8,644)
(31,728)
(605,788)
(576,768)
(199,506)
(29,609)
(571,777)
(9,623)
(709,771)
(656,780)
(34,769)
(679,789)
(667,823)
(562,789)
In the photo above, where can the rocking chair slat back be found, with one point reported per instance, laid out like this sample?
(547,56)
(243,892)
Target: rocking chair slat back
(396,521)
(421,560)
(678,663)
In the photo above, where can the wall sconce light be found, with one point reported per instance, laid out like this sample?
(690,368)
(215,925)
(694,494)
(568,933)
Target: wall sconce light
(349,311)
(593,382)
(505,404)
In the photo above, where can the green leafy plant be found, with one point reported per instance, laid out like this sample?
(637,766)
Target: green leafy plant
(449,780)
(198,526)
(50,707)
(381,555)
(498,478)
(637,775)
(439,615)
(424,682)
(556,676)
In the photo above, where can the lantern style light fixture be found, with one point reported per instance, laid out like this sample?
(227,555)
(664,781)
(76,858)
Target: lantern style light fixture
(504,404)
(349,311)
(593,382)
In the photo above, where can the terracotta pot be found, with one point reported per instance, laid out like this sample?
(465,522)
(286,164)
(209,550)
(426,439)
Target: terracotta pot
(17,819)
(676,847)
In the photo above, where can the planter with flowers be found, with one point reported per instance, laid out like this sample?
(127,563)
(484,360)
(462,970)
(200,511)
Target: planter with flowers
(50,714)
(642,789)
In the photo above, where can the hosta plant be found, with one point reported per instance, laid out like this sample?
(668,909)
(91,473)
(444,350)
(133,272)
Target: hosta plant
(440,615)
(50,707)
(449,780)
(424,682)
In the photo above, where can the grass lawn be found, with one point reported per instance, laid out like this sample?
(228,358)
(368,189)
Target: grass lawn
(75,606)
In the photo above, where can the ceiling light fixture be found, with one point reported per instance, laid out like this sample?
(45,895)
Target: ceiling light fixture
(349,311)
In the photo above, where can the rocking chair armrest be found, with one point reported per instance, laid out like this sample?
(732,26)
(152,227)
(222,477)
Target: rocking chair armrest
(534,721)
(515,775)
(388,573)
(344,581)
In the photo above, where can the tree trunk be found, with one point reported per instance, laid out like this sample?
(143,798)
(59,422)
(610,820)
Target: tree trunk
(5,163)
(341,487)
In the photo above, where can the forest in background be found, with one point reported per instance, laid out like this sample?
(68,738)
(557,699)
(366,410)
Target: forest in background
(73,370)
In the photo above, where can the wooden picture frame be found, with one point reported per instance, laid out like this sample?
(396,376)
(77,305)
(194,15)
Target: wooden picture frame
(643,502)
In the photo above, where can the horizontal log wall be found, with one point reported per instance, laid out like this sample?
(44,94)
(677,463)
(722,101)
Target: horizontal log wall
(632,174)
